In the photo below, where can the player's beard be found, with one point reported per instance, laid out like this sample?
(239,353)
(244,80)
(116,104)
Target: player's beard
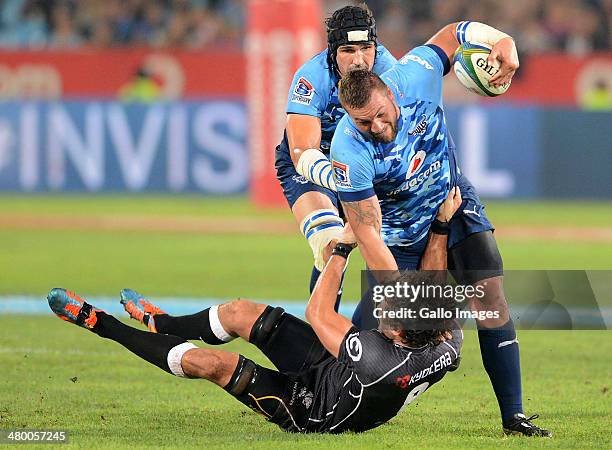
(386,139)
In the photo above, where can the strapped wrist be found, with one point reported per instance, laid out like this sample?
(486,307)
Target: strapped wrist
(439,227)
(479,32)
(316,168)
(342,249)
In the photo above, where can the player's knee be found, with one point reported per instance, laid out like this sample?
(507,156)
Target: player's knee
(238,307)
(493,291)
(265,325)
(242,376)
(320,227)
(201,363)
(192,363)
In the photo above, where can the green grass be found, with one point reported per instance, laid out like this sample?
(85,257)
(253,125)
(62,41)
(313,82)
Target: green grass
(119,400)
(564,213)
(263,266)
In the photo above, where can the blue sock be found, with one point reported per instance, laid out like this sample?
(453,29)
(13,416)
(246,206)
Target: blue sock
(500,357)
(314,276)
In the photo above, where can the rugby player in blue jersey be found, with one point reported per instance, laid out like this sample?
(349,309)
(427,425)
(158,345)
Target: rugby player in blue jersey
(313,111)
(394,164)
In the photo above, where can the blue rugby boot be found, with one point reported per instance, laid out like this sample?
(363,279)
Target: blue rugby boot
(139,308)
(70,307)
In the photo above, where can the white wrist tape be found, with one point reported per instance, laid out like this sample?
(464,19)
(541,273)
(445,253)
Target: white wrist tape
(478,32)
(316,168)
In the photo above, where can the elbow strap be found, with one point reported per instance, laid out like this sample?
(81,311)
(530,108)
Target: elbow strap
(316,168)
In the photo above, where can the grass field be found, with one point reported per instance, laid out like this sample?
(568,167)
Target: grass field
(119,401)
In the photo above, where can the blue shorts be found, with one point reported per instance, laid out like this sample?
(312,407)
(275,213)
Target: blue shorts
(295,185)
(470,218)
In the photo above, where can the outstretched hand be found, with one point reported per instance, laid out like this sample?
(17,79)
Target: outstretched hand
(450,205)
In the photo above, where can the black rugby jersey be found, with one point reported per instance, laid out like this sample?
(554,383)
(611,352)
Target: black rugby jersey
(373,379)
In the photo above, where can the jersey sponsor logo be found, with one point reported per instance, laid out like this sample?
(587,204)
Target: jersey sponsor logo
(416,59)
(442,362)
(402,382)
(353,347)
(420,128)
(415,163)
(303,92)
(417,180)
(341,174)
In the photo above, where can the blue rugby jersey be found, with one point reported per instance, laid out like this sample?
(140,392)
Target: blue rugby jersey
(314,91)
(412,175)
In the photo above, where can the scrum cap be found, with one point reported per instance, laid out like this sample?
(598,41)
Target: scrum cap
(349,25)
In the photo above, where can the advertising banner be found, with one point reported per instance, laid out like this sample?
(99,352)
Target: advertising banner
(109,146)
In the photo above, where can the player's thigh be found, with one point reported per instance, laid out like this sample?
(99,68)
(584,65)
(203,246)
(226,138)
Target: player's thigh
(470,218)
(292,344)
(270,393)
(309,202)
(475,258)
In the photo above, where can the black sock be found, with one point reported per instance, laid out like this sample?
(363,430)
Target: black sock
(152,347)
(193,326)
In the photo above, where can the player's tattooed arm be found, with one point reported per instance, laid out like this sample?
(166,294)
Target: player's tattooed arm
(365,218)
(364,212)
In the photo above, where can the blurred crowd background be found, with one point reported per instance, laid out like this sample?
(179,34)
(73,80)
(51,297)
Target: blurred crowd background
(572,26)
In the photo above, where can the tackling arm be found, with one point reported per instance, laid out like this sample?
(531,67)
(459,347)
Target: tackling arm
(435,256)
(330,327)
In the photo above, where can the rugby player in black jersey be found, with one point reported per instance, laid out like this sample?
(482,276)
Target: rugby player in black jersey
(330,376)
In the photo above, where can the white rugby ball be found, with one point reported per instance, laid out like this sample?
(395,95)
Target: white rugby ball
(473,70)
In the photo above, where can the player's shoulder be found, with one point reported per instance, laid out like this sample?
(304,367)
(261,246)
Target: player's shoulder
(373,356)
(347,137)
(422,57)
(384,60)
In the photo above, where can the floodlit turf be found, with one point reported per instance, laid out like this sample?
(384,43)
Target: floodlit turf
(119,400)
(266,266)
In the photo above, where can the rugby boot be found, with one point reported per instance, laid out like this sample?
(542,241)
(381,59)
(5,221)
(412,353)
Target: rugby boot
(139,308)
(521,425)
(70,307)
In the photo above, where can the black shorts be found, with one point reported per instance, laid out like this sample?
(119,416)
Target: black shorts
(286,396)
